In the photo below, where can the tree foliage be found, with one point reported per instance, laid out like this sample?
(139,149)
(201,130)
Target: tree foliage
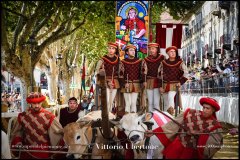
(93,22)
(177,9)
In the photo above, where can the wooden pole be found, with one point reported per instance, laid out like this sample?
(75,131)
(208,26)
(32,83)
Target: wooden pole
(105,120)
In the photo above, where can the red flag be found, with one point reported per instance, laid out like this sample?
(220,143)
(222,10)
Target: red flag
(91,89)
(121,42)
(168,34)
(83,74)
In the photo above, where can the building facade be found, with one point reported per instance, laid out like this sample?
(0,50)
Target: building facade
(212,34)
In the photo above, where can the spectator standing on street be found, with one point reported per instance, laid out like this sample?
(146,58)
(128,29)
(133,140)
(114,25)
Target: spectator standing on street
(69,114)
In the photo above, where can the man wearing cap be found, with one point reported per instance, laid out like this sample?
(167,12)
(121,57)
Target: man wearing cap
(130,78)
(107,68)
(84,104)
(174,73)
(151,82)
(69,114)
(197,134)
(36,129)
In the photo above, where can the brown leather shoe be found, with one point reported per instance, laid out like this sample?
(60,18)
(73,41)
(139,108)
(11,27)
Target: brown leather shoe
(171,110)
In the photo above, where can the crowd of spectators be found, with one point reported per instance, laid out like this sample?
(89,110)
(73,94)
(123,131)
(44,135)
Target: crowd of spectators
(223,75)
(10,101)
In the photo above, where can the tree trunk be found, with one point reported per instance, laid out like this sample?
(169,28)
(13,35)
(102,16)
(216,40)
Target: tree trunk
(24,88)
(52,78)
(52,87)
(75,81)
(66,89)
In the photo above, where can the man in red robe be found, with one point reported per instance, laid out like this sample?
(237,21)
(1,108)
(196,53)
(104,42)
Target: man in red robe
(36,129)
(200,137)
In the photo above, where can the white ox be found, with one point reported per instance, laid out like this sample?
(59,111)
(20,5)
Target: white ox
(78,135)
(134,126)
(5,153)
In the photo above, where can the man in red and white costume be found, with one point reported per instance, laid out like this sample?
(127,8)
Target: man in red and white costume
(174,73)
(130,78)
(151,81)
(36,129)
(108,66)
(201,133)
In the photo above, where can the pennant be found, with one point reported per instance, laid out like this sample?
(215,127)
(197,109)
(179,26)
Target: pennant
(167,35)
(91,89)
(83,74)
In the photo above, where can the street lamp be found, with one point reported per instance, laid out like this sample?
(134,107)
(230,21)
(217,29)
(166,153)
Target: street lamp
(32,42)
(73,66)
(59,58)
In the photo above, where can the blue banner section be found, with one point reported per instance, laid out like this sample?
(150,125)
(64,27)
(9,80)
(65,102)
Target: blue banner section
(132,26)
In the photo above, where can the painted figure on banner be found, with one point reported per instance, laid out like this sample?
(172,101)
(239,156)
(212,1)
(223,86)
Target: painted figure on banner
(174,73)
(130,78)
(108,67)
(151,81)
(132,25)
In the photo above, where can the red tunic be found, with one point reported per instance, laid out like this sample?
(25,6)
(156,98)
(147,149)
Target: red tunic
(150,69)
(110,64)
(130,72)
(34,126)
(172,74)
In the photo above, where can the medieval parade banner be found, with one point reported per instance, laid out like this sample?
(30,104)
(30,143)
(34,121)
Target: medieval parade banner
(168,34)
(132,26)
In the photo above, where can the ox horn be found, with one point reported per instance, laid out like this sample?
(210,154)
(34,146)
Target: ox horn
(60,131)
(84,123)
(114,122)
(141,111)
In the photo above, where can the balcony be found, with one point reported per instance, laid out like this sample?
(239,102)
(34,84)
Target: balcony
(227,47)
(217,51)
(224,5)
(216,13)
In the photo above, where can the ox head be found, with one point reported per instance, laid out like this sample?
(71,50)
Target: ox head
(134,125)
(77,136)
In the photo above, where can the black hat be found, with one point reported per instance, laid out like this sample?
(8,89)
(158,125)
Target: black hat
(72,98)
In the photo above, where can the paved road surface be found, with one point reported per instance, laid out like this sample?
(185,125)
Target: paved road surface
(230,148)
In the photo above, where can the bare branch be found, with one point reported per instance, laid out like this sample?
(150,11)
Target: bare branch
(54,26)
(30,23)
(42,23)
(5,43)
(14,12)
(19,26)
(77,27)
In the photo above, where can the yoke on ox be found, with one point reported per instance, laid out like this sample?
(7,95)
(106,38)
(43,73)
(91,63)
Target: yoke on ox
(135,125)
(85,136)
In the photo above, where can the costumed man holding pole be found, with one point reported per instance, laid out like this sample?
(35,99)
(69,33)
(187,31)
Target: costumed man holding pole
(108,66)
(193,134)
(174,73)
(130,78)
(151,81)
